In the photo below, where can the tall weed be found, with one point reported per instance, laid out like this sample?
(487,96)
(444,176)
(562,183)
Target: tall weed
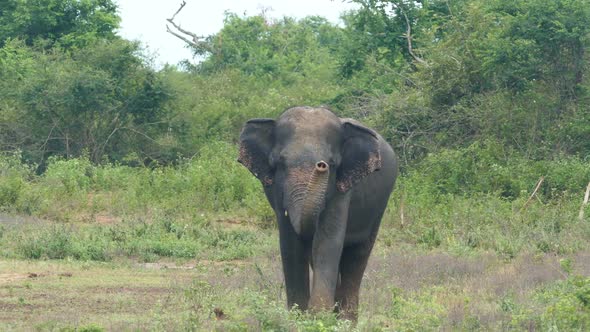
(14,180)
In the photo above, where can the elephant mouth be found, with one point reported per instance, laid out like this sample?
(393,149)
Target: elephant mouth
(308,199)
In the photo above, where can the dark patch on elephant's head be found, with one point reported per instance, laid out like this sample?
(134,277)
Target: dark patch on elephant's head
(360,154)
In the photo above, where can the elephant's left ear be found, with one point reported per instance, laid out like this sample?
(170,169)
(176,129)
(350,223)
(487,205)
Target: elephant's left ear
(256,143)
(360,154)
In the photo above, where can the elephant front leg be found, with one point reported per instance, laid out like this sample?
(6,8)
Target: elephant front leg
(327,247)
(295,259)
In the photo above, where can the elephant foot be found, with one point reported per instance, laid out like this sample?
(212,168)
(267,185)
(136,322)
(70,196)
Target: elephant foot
(351,315)
(320,304)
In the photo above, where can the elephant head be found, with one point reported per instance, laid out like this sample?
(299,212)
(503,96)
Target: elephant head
(306,156)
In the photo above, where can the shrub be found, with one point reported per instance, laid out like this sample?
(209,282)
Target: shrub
(566,305)
(487,167)
(14,179)
(69,176)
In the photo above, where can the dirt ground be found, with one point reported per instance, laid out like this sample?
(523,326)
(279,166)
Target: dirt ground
(44,295)
(48,295)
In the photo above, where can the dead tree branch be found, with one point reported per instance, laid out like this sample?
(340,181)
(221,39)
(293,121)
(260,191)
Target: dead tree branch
(178,11)
(534,193)
(191,38)
(408,36)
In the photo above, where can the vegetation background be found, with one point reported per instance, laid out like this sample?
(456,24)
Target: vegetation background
(487,104)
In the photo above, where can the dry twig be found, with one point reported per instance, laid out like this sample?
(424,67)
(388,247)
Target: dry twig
(534,193)
(401,211)
(408,36)
(584,202)
(188,37)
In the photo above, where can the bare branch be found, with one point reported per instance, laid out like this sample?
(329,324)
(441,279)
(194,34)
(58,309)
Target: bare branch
(140,133)
(534,193)
(584,202)
(409,38)
(191,38)
(178,11)
(177,35)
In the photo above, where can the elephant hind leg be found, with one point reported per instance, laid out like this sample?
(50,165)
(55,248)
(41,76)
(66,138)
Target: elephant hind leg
(352,267)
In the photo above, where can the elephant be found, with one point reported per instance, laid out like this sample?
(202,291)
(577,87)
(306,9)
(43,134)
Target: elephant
(328,180)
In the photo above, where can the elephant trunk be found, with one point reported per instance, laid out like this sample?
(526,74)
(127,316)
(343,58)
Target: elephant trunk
(311,199)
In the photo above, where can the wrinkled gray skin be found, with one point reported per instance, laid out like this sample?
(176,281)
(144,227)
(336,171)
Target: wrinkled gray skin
(328,181)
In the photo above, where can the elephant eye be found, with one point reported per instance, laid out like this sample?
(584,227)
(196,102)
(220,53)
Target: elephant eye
(332,163)
(274,160)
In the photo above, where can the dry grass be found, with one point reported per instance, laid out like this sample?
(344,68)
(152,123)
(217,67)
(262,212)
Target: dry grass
(469,289)
(434,290)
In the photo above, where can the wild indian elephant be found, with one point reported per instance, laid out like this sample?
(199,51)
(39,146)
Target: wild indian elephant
(328,180)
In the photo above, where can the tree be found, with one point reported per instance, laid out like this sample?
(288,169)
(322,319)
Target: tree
(70,23)
(101,100)
(70,86)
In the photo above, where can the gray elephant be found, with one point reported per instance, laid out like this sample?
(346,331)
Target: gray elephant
(328,180)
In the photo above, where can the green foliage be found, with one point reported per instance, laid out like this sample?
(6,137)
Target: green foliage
(477,71)
(147,241)
(473,199)
(508,71)
(212,181)
(214,107)
(59,242)
(458,200)
(14,180)
(566,305)
(376,31)
(281,50)
(252,309)
(68,177)
(94,100)
(70,23)
(69,85)
(491,168)
(83,328)
(534,33)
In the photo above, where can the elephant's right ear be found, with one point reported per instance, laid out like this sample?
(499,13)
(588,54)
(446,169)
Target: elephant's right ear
(256,143)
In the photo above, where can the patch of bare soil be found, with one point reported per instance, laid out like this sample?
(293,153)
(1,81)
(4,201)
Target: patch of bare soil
(110,296)
(11,277)
(6,278)
(165,265)
(193,265)
(582,263)
(228,223)
(106,219)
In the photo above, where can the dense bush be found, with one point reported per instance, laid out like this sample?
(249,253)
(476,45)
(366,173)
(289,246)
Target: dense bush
(14,180)
(144,240)
(492,168)
(468,199)
(212,181)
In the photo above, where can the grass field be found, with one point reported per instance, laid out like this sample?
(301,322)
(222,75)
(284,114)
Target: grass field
(406,287)
(463,246)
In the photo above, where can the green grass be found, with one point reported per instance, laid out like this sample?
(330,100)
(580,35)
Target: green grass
(194,247)
(143,240)
(402,291)
(77,190)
